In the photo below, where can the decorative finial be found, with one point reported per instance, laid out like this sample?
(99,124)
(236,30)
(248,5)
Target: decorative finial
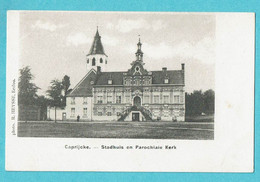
(139,38)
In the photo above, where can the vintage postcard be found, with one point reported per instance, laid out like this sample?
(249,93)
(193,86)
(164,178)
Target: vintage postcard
(130,91)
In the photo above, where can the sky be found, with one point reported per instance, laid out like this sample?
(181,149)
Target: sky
(55,44)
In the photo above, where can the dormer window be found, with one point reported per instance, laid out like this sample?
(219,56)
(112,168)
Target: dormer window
(109,82)
(166,80)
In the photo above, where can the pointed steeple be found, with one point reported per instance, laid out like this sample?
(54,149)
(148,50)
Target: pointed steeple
(139,53)
(97,47)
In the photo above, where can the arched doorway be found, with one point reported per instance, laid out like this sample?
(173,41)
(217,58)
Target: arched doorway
(137,101)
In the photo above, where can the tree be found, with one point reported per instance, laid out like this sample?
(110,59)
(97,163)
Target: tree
(27,89)
(199,102)
(55,94)
(209,101)
(66,85)
(43,102)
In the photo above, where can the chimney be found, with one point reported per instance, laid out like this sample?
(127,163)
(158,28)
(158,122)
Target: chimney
(164,68)
(182,66)
(98,69)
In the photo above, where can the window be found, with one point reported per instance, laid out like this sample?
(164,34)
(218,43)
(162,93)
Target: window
(127,99)
(109,114)
(146,82)
(109,82)
(166,99)
(101,60)
(118,99)
(166,80)
(85,111)
(146,99)
(106,61)
(99,113)
(72,112)
(109,99)
(85,100)
(181,98)
(137,82)
(93,62)
(166,113)
(127,82)
(176,99)
(156,99)
(72,100)
(99,99)
(87,61)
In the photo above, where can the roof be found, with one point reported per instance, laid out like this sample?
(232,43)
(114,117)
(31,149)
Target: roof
(97,47)
(175,77)
(117,78)
(84,87)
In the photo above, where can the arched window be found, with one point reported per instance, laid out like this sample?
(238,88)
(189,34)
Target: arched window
(93,62)
(106,61)
(87,61)
(101,60)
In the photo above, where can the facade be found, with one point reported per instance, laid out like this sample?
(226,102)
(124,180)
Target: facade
(59,113)
(133,95)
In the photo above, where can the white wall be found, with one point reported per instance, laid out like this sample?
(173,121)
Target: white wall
(51,113)
(79,106)
(97,57)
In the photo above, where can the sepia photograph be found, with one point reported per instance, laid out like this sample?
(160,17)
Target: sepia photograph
(130,91)
(116,75)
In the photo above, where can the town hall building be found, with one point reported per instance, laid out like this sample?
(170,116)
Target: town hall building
(136,94)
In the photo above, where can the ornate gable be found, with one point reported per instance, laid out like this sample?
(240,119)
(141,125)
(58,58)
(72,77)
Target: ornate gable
(137,69)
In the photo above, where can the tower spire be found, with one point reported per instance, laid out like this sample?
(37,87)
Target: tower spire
(139,53)
(97,47)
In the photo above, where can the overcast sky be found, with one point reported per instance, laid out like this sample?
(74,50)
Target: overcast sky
(55,44)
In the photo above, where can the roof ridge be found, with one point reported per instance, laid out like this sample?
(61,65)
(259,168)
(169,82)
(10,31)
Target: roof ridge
(166,70)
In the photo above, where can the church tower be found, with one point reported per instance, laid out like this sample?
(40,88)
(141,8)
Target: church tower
(96,56)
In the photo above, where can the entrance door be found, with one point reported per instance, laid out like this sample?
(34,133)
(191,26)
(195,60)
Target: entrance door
(137,101)
(63,116)
(135,116)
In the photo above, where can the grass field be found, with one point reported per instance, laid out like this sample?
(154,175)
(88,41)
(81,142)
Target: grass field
(141,130)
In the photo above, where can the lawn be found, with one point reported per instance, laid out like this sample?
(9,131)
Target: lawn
(141,130)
